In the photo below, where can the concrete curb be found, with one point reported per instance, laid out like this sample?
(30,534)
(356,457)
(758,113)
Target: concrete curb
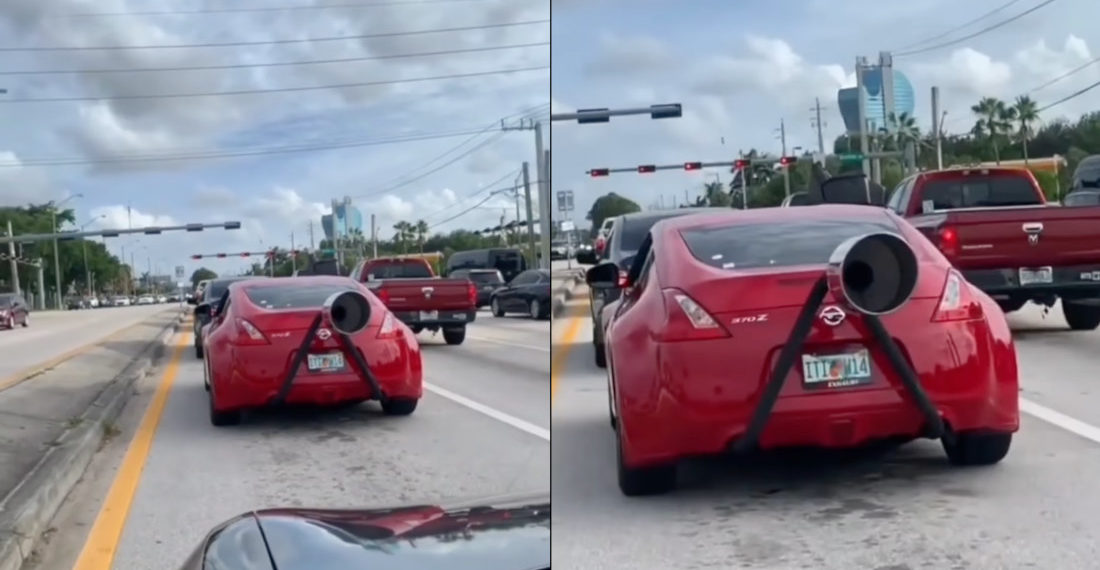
(27,511)
(562,295)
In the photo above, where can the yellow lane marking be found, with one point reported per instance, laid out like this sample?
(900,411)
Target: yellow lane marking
(559,358)
(32,371)
(102,542)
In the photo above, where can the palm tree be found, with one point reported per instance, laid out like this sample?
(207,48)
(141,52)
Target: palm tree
(421,229)
(995,118)
(402,234)
(903,129)
(1027,114)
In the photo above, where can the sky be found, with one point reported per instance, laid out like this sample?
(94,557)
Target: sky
(387,124)
(740,68)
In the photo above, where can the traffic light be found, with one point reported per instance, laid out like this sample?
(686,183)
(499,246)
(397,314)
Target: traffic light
(667,111)
(647,169)
(788,160)
(271,254)
(597,172)
(245,254)
(693,166)
(741,164)
(221,255)
(196,257)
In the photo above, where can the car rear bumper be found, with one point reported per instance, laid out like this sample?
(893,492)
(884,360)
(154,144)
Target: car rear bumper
(1080,281)
(442,319)
(697,407)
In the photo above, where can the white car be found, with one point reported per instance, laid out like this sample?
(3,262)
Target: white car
(162,299)
(146,300)
(121,301)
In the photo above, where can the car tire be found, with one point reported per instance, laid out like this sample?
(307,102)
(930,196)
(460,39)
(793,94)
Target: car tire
(198,350)
(222,418)
(534,309)
(601,352)
(10,323)
(977,448)
(26,320)
(454,336)
(1081,317)
(206,376)
(638,482)
(399,406)
(494,306)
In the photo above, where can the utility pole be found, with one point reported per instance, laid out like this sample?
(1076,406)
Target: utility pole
(530,212)
(373,237)
(545,223)
(542,185)
(818,124)
(56,260)
(311,245)
(937,127)
(293,255)
(11,260)
(861,98)
(786,169)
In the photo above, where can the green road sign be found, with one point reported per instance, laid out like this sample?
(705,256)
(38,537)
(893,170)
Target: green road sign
(850,157)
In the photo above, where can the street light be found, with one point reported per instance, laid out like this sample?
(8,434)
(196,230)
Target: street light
(84,246)
(56,257)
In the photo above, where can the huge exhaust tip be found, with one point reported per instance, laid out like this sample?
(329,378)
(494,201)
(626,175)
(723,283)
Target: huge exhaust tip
(348,311)
(874,274)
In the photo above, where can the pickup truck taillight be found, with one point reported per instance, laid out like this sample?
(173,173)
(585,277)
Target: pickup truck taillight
(382,295)
(949,241)
(471,292)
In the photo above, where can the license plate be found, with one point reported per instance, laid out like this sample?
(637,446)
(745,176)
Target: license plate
(429,315)
(836,370)
(1036,275)
(325,362)
(459,316)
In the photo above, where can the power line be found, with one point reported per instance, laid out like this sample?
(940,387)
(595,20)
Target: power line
(288,8)
(279,42)
(492,139)
(473,194)
(274,64)
(980,32)
(1073,71)
(1073,95)
(275,90)
(969,23)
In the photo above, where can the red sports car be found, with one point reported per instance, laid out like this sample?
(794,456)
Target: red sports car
(831,326)
(307,340)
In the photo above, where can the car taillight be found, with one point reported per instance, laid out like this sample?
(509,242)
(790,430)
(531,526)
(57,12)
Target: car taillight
(949,241)
(389,328)
(249,334)
(687,320)
(957,302)
(600,242)
(382,295)
(623,278)
(471,292)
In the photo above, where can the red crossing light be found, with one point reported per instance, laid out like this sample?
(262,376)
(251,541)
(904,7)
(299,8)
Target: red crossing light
(788,160)
(741,164)
(196,257)
(597,172)
(221,255)
(647,169)
(693,166)
(245,254)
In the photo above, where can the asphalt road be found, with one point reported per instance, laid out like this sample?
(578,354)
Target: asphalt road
(897,510)
(52,334)
(482,429)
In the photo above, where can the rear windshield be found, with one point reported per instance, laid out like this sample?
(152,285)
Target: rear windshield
(979,192)
(748,246)
(1082,199)
(399,270)
(483,277)
(293,296)
(633,232)
(218,288)
(509,260)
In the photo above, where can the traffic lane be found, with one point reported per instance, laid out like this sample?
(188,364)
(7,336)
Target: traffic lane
(52,334)
(1057,365)
(197,475)
(904,508)
(504,363)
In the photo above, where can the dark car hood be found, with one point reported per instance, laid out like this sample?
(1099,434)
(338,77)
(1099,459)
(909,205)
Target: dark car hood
(506,533)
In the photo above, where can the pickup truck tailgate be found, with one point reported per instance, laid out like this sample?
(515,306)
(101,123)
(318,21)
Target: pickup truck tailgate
(427,294)
(1026,236)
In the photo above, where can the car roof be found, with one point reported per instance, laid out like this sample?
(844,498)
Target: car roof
(297,281)
(763,215)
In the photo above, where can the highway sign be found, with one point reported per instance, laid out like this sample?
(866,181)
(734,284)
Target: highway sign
(850,157)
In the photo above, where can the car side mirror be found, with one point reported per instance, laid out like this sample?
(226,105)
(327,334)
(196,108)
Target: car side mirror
(192,301)
(203,310)
(603,276)
(586,257)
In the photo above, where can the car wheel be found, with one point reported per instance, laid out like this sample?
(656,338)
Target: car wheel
(1081,317)
(977,448)
(534,309)
(494,306)
(198,349)
(637,482)
(206,375)
(10,322)
(454,336)
(399,406)
(221,418)
(26,320)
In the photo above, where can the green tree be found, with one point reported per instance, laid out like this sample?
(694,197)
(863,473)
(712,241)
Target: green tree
(608,206)
(1027,114)
(995,118)
(201,274)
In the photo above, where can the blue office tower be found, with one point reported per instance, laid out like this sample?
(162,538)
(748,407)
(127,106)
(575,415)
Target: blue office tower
(848,103)
(343,220)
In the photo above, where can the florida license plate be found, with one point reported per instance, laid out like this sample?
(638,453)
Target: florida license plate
(836,370)
(1036,276)
(325,362)
(429,315)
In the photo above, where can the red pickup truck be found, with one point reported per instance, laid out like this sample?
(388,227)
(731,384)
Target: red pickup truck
(411,290)
(997,228)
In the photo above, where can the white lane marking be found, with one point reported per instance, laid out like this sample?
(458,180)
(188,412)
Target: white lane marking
(506,343)
(1072,425)
(498,415)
